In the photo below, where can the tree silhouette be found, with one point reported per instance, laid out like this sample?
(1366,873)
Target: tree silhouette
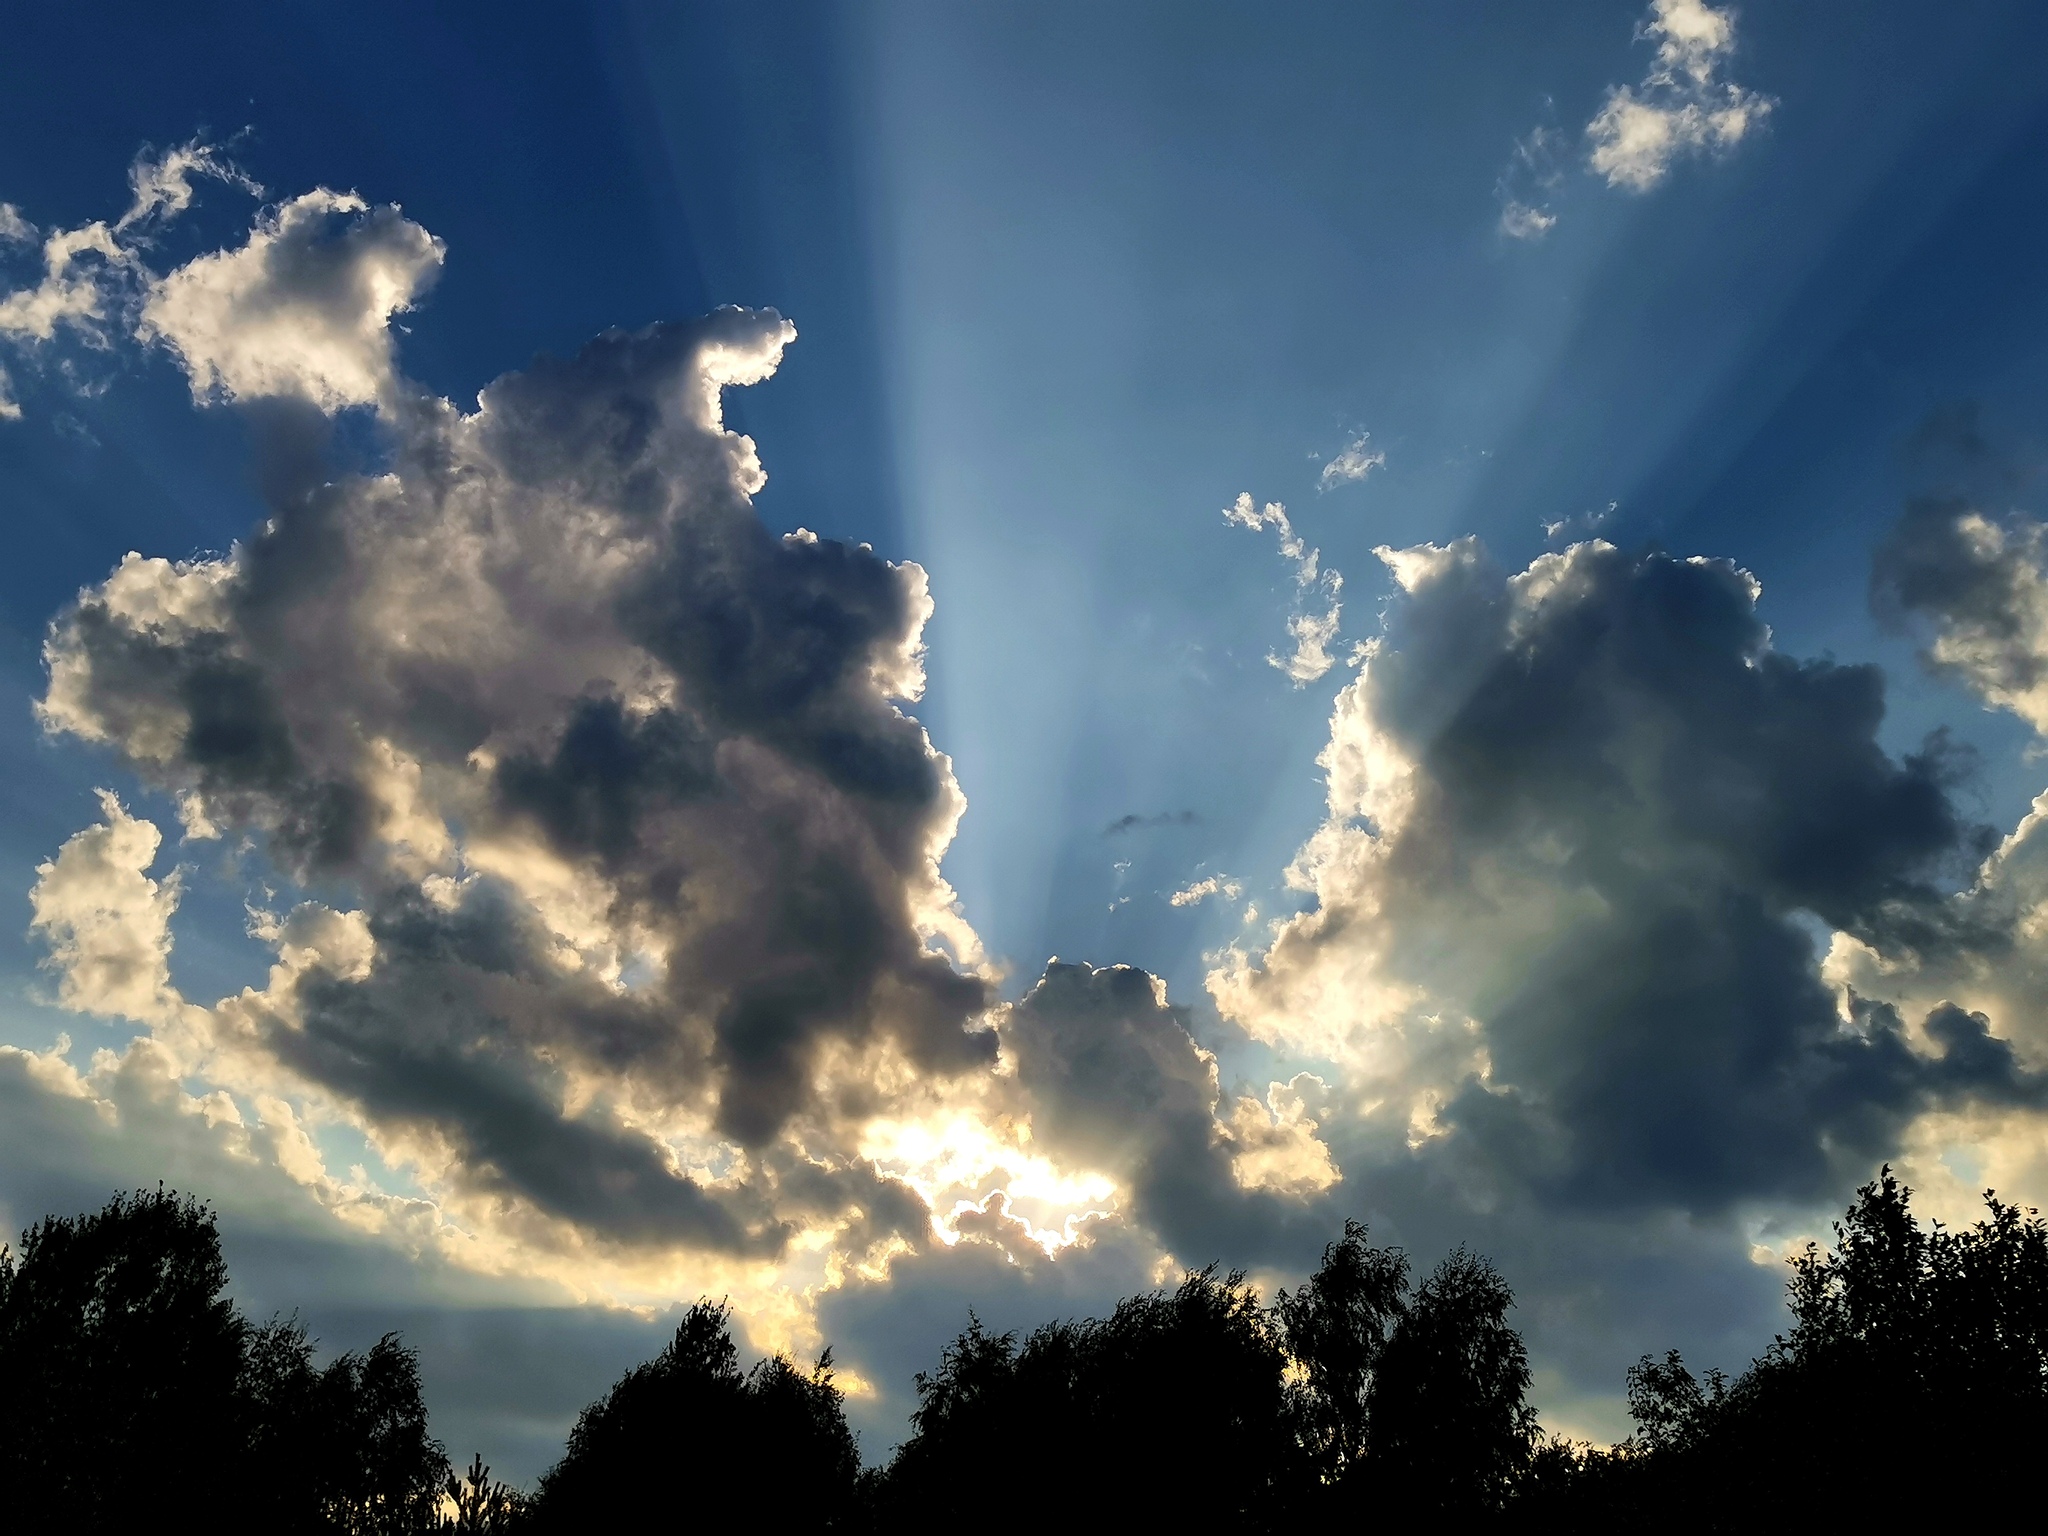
(480,1505)
(132,1392)
(120,1360)
(689,1434)
(1914,1354)
(130,1384)
(1336,1329)
(1451,1429)
(1172,1411)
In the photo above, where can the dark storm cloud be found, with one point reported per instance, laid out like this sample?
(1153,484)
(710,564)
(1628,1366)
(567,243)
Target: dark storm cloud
(558,626)
(1973,589)
(1618,814)
(451,1033)
(1114,1081)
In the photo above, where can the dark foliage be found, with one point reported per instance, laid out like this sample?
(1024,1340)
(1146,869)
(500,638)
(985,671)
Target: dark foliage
(1450,1428)
(690,1419)
(1914,1355)
(1337,1326)
(121,1361)
(130,1384)
(1171,1411)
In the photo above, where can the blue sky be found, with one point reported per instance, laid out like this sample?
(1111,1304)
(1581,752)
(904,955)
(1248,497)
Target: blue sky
(1066,280)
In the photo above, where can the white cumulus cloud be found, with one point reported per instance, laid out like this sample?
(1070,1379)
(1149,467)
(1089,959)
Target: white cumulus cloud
(1681,107)
(303,308)
(1198,891)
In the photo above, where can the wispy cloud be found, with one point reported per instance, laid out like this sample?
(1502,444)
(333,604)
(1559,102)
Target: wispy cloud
(1199,891)
(1353,463)
(1681,107)
(1581,524)
(1532,171)
(95,285)
(1313,630)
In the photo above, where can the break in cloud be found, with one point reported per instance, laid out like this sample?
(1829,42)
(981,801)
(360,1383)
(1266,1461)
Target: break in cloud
(1682,107)
(633,966)
(1975,590)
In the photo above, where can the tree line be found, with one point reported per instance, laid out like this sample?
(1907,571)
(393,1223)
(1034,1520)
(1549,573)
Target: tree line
(1915,1368)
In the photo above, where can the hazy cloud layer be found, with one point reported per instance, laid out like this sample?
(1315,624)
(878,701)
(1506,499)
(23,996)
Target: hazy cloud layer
(1531,174)
(1352,463)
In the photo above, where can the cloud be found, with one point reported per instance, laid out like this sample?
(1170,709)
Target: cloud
(1313,632)
(302,309)
(1353,463)
(643,843)
(108,925)
(1980,590)
(1198,891)
(1680,107)
(95,282)
(1975,591)
(1580,525)
(631,953)
(1520,221)
(87,274)
(1532,172)
(1578,817)
(1114,1081)
(160,186)
(1132,822)
(611,926)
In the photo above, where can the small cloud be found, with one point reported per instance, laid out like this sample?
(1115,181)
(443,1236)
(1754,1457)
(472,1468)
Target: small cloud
(1680,107)
(1519,221)
(1133,822)
(161,185)
(1582,524)
(1312,632)
(1201,890)
(1354,463)
(14,229)
(1532,170)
